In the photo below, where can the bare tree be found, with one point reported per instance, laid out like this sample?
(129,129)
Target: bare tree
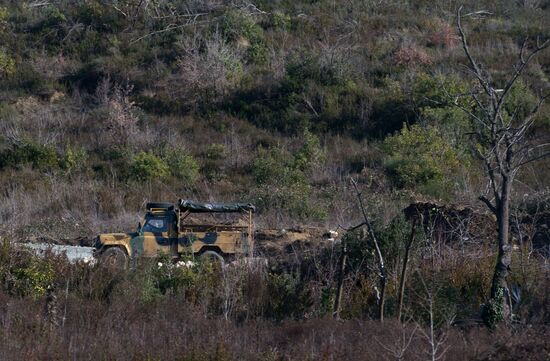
(436,338)
(340,285)
(398,349)
(501,144)
(404,269)
(382,275)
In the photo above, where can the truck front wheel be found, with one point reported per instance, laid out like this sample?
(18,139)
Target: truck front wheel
(114,258)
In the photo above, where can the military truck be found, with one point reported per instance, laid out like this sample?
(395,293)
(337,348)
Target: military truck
(169,229)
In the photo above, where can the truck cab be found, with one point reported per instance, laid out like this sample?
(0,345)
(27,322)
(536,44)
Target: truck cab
(167,229)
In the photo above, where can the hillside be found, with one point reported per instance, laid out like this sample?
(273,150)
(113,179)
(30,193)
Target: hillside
(303,108)
(107,105)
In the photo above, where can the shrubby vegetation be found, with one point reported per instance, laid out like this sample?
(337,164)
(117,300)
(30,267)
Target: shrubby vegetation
(283,178)
(421,157)
(198,304)
(129,79)
(105,106)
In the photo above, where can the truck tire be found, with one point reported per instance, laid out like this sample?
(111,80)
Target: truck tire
(213,256)
(114,258)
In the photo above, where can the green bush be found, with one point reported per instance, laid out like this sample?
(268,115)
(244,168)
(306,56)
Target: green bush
(25,79)
(173,277)
(33,279)
(216,151)
(520,101)
(236,26)
(147,167)
(289,298)
(181,164)
(310,155)
(215,161)
(4,14)
(42,157)
(283,176)
(390,108)
(54,17)
(23,273)
(7,64)
(419,156)
(276,166)
(284,185)
(441,102)
(492,312)
(280,20)
(73,159)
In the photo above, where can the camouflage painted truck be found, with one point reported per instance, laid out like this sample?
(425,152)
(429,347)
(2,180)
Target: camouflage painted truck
(169,229)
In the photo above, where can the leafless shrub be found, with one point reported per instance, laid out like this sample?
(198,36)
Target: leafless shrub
(122,118)
(46,124)
(336,54)
(57,208)
(397,347)
(410,55)
(435,335)
(443,34)
(210,72)
(52,67)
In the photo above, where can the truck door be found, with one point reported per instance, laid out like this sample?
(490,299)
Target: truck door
(156,235)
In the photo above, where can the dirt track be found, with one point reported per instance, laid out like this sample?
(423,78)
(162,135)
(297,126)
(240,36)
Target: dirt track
(271,243)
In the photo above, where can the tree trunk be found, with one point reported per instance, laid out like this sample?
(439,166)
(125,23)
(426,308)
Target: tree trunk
(404,271)
(382,275)
(504,258)
(381,267)
(340,286)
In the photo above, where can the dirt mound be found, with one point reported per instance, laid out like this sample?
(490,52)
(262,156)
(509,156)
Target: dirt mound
(276,243)
(453,224)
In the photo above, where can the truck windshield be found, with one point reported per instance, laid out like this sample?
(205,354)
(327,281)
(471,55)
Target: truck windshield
(155,225)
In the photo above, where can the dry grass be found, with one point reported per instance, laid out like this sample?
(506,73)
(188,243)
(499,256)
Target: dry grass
(124,330)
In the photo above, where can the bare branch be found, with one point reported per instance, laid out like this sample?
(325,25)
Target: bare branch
(523,64)
(488,204)
(474,66)
(381,265)
(544,155)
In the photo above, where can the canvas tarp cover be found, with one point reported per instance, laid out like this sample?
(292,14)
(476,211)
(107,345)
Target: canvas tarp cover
(196,207)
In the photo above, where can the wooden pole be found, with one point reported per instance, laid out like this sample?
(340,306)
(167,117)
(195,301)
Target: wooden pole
(403,279)
(340,286)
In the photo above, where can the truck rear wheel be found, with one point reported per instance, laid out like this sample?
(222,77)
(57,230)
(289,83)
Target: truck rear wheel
(114,258)
(213,256)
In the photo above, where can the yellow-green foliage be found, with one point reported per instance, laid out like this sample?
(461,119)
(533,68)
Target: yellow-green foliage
(146,167)
(282,178)
(190,278)
(73,159)
(23,273)
(442,102)
(3,14)
(237,26)
(418,155)
(310,154)
(181,164)
(34,278)
(520,102)
(288,297)
(7,64)
(40,156)
(215,161)
(216,151)
(280,20)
